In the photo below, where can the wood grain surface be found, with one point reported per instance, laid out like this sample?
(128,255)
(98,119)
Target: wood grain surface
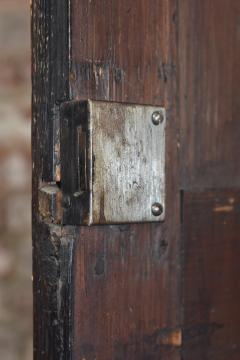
(209,77)
(142,291)
(211,284)
(126,278)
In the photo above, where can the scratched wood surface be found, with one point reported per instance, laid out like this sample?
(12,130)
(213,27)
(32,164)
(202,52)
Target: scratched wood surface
(126,277)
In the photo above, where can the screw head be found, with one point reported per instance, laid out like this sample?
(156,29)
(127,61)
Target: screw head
(157,117)
(157,209)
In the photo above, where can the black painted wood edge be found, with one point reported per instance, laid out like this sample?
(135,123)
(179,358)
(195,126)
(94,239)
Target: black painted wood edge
(52,251)
(50,78)
(53,264)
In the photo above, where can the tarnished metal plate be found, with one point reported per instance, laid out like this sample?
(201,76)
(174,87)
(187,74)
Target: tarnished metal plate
(129,155)
(120,152)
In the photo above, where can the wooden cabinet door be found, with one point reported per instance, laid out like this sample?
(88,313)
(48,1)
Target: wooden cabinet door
(142,291)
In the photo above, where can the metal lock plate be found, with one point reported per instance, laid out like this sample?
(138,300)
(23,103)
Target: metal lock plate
(112,163)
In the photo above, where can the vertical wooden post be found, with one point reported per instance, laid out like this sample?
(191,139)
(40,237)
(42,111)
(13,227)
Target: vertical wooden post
(52,250)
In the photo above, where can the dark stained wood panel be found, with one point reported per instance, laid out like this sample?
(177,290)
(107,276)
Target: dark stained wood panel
(211,281)
(125,307)
(209,73)
(121,50)
(127,303)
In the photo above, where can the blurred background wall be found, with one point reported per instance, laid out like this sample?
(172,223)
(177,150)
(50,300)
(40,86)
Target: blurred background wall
(15,182)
